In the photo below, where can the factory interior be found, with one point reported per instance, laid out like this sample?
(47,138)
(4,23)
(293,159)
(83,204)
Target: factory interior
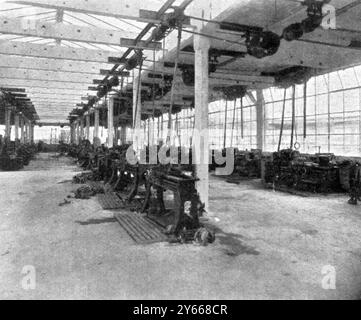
(180,149)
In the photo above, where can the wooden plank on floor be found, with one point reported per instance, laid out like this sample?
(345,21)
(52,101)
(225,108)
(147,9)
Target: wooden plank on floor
(140,229)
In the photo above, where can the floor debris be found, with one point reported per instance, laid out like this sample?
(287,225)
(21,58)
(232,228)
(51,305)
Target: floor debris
(64,203)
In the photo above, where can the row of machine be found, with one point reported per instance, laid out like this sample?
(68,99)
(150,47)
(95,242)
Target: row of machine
(14,155)
(165,193)
(291,170)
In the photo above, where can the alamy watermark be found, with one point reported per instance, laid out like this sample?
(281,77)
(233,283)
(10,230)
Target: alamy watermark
(28,281)
(329,277)
(167,153)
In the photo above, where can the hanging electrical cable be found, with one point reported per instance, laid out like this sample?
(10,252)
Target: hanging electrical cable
(242,120)
(234,120)
(148,120)
(177,129)
(174,79)
(153,86)
(293,115)
(282,121)
(305,110)
(163,68)
(225,126)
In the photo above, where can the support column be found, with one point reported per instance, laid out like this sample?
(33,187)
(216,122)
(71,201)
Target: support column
(72,132)
(81,128)
(201,146)
(7,122)
(137,110)
(111,122)
(96,123)
(260,111)
(31,132)
(17,125)
(78,132)
(87,130)
(123,134)
(22,129)
(26,125)
(25,130)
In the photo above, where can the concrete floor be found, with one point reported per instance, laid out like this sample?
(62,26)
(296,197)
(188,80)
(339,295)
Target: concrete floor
(269,245)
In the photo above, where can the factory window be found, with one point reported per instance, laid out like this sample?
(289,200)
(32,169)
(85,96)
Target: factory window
(332,117)
(232,123)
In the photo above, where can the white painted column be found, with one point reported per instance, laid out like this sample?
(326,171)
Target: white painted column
(96,123)
(75,137)
(82,128)
(22,129)
(23,132)
(78,132)
(17,125)
(31,132)
(72,132)
(27,130)
(260,111)
(201,146)
(7,121)
(110,122)
(87,130)
(123,134)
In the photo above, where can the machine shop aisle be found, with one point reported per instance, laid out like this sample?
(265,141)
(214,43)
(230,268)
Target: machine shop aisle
(269,245)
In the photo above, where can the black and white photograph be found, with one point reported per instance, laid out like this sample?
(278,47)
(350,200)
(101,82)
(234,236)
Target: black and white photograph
(191,153)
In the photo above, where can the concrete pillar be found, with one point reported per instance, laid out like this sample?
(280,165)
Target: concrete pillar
(81,128)
(87,130)
(28,131)
(78,131)
(123,135)
(96,123)
(201,146)
(26,125)
(260,111)
(31,133)
(137,110)
(17,125)
(74,132)
(111,122)
(7,122)
(71,132)
(22,129)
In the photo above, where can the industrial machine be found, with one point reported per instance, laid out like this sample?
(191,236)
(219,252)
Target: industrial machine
(187,207)
(319,173)
(15,155)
